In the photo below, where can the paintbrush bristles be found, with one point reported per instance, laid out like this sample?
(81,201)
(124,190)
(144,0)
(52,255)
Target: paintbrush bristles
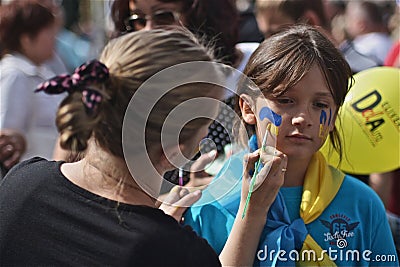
(264,142)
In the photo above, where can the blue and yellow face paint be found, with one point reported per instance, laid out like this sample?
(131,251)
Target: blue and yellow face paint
(323,125)
(275,121)
(273,117)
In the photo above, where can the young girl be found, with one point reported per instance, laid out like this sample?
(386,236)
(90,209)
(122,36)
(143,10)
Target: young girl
(94,212)
(302,210)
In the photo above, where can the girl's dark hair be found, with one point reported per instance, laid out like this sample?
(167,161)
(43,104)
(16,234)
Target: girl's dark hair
(22,17)
(282,60)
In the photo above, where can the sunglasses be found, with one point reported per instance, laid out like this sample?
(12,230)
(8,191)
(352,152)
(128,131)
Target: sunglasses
(136,22)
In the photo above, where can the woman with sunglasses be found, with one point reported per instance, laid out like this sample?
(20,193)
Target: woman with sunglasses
(214,21)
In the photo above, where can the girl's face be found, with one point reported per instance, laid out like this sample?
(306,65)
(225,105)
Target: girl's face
(308,115)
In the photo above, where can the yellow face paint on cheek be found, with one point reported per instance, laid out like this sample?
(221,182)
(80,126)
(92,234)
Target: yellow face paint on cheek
(274,118)
(274,129)
(323,132)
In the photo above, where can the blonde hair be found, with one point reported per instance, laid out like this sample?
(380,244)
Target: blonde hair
(131,60)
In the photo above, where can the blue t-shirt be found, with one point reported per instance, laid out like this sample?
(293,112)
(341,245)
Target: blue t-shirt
(292,197)
(353,229)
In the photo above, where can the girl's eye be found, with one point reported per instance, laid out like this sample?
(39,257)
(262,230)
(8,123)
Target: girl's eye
(284,101)
(321,105)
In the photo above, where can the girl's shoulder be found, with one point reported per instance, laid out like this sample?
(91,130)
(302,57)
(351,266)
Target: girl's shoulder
(355,185)
(359,193)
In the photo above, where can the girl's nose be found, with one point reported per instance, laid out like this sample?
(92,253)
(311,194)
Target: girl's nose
(302,119)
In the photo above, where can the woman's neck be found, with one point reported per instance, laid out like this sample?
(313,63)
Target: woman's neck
(106,175)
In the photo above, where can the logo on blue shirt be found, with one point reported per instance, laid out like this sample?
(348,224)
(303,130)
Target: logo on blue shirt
(340,230)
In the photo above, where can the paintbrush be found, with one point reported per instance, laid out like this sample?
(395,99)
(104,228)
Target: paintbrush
(253,178)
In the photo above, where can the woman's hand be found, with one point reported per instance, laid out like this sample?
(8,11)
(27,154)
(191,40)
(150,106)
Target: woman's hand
(12,146)
(178,200)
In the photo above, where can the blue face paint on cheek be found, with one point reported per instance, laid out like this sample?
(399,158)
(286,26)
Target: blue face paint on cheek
(330,116)
(322,117)
(268,113)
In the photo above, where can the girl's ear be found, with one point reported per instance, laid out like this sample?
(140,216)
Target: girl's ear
(246,104)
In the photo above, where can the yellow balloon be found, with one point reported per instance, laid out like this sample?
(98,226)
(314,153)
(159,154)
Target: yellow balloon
(369,124)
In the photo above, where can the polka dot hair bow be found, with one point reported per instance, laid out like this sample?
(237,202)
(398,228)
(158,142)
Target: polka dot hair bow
(88,74)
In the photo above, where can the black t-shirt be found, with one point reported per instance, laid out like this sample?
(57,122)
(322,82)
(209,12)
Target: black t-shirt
(46,220)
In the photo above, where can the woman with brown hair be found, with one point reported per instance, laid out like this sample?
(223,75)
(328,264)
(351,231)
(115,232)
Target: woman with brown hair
(96,211)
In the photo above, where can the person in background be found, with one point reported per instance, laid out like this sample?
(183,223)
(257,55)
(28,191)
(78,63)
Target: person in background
(368,40)
(55,63)
(334,10)
(393,56)
(72,47)
(27,34)
(299,204)
(94,211)
(272,16)
(215,21)
(248,28)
